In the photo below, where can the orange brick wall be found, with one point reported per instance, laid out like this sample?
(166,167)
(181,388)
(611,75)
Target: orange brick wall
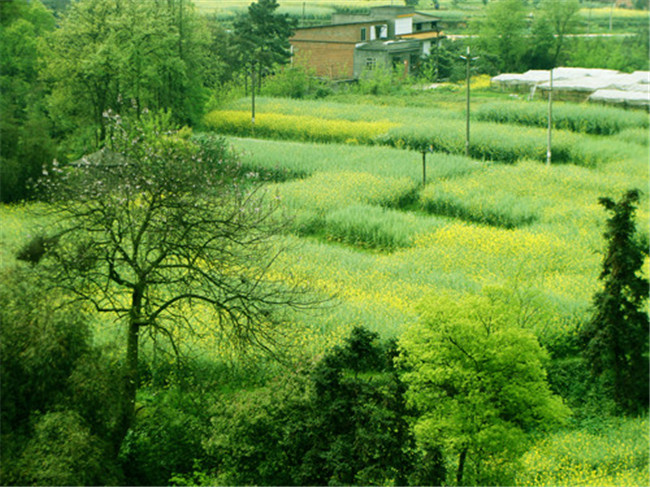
(329,50)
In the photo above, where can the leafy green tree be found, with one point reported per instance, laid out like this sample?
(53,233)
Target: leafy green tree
(25,142)
(126,55)
(161,225)
(617,336)
(557,18)
(477,380)
(342,422)
(56,390)
(262,37)
(502,34)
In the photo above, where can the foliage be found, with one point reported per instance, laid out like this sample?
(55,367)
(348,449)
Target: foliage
(617,336)
(166,438)
(444,62)
(26,144)
(126,55)
(561,17)
(63,451)
(478,381)
(295,82)
(262,36)
(624,54)
(381,80)
(56,405)
(502,33)
(161,225)
(40,347)
(341,422)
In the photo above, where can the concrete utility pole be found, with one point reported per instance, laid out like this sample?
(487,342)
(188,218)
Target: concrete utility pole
(550,119)
(468,58)
(253,97)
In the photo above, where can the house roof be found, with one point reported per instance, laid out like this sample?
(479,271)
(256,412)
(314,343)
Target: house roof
(323,26)
(420,17)
(390,46)
(422,36)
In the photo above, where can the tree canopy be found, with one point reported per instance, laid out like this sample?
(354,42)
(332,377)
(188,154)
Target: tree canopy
(617,336)
(478,381)
(160,230)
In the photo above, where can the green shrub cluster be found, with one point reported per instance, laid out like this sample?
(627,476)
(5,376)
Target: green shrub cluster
(589,119)
(58,396)
(340,422)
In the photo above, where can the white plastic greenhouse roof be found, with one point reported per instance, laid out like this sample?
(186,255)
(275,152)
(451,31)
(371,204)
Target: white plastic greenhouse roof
(635,98)
(611,85)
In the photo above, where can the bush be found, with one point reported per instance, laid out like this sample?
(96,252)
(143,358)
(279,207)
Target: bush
(166,438)
(63,451)
(342,422)
(295,82)
(58,399)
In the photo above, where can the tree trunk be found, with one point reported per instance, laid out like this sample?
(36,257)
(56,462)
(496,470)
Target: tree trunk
(461,467)
(130,375)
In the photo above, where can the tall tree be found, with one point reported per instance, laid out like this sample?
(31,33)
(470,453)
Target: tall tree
(263,36)
(161,233)
(561,17)
(502,34)
(478,381)
(123,55)
(25,142)
(617,336)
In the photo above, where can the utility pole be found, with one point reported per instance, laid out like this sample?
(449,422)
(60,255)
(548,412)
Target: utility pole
(253,97)
(424,167)
(550,119)
(468,58)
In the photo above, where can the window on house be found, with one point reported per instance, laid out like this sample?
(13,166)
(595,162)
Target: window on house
(377,31)
(363,33)
(371,62)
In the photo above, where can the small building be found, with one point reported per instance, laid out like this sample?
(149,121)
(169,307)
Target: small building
(387,36)
(397,53)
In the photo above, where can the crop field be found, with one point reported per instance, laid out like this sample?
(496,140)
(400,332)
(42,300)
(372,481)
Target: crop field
(369,232)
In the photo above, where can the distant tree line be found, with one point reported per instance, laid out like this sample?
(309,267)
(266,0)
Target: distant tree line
(61,74)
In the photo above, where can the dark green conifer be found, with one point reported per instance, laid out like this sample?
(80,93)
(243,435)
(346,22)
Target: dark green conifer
(616,338)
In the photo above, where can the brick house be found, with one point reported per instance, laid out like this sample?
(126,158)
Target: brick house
(353,43)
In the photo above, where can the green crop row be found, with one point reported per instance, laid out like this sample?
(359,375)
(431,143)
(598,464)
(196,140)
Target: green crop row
(590,119)
(366,226)
(497,142)
(300,159)
(296,127)
(489,141)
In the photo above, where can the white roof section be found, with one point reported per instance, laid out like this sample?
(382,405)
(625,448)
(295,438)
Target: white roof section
(633,98)
(609,84)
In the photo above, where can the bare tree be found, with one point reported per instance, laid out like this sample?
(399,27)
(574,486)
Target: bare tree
(166,233)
